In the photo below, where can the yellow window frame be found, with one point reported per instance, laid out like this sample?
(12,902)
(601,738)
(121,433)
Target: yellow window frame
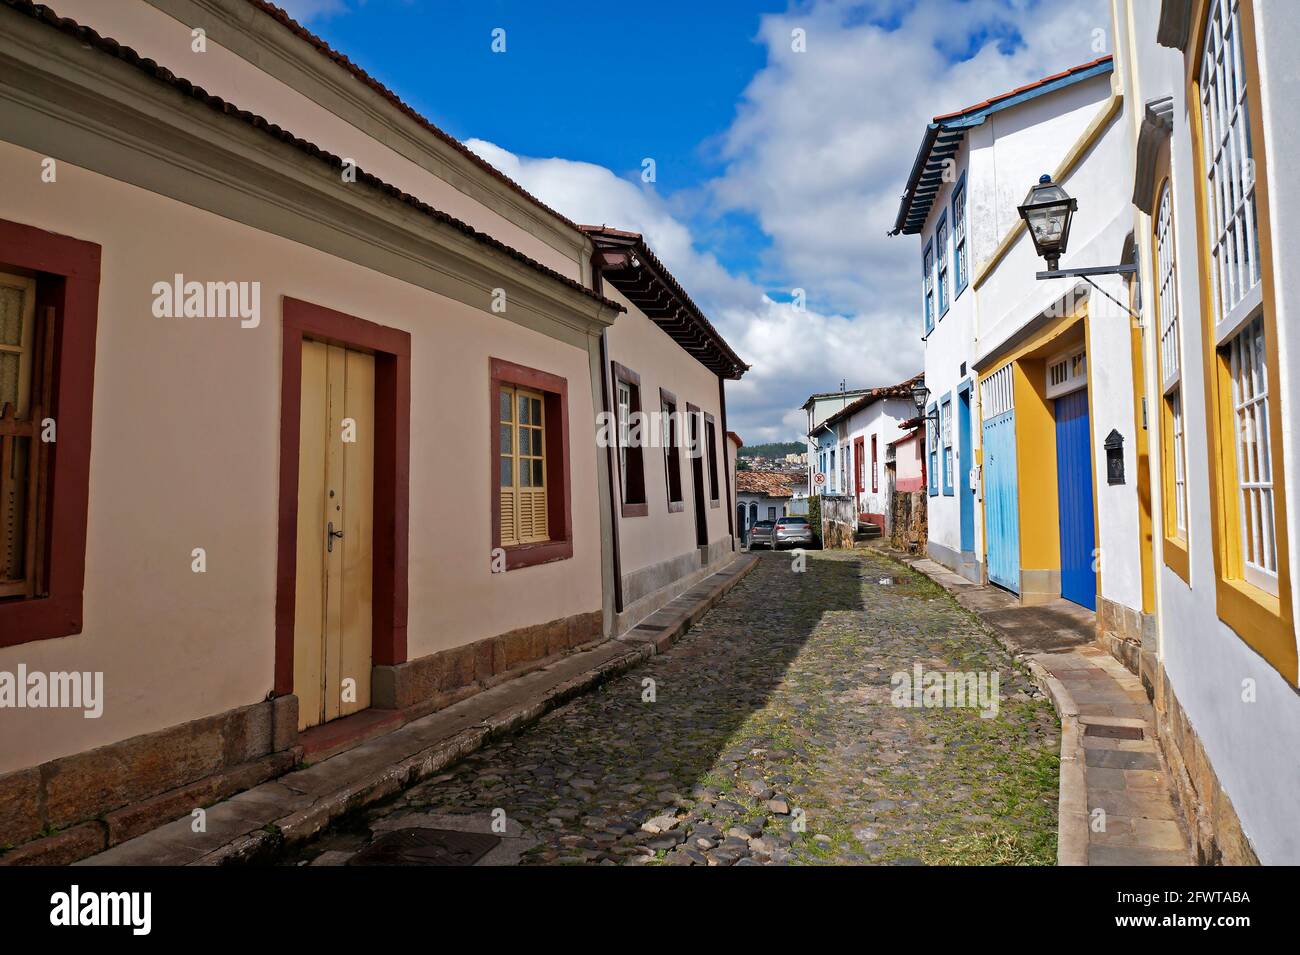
(1263,620)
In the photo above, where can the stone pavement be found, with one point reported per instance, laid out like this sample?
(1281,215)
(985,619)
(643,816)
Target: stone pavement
(767,735)
(1116,802)
(296,806)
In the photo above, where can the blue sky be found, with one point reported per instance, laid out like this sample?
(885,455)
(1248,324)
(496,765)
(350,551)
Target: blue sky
(775,169)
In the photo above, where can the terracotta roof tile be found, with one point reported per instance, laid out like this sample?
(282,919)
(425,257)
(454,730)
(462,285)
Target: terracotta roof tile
(150,67)
(1024,89)
(901,390)
(283,18)
(769,483)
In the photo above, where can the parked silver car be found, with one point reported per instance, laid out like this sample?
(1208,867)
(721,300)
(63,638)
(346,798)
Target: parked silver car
(761,534)
(795,531)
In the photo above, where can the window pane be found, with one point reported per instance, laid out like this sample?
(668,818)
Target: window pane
(525,441)
(507,472)
(536,405)
(11,315)
(505,406)
(9,367)
(537,474)
(523,410)
(506,439)
(13,514)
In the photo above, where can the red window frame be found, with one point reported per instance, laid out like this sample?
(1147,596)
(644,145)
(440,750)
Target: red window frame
(875,467)
(559,510)
(67,280)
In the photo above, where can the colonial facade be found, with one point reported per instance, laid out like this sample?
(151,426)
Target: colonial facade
(863,433)
(1207,87)
(822,441)
(1127,435)
(250,303)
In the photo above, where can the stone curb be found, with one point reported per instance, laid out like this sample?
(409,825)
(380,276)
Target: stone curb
(305,823)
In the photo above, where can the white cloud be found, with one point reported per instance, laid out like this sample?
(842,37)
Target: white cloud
(304,10)
(818,154)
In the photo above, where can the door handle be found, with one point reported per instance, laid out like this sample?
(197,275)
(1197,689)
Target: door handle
(330,536)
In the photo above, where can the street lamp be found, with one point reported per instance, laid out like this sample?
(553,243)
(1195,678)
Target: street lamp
(1047,211)
(921,397)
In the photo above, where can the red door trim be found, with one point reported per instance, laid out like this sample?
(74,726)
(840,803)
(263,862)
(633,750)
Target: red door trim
(392,351)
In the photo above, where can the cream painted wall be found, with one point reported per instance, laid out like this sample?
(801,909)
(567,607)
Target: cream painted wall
(642,346)
(155,34)
(185,454)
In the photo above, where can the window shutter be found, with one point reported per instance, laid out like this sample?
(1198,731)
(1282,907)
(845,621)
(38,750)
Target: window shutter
(509,532)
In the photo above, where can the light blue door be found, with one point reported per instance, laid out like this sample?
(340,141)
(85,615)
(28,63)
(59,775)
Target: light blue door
(1074,499)
(1001,510)
(965,493)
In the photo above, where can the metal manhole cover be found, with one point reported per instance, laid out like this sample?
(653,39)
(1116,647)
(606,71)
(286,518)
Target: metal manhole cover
(1113,732)
(426,847)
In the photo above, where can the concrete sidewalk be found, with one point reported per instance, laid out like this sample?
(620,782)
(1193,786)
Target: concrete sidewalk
(261,821)
(1116,804)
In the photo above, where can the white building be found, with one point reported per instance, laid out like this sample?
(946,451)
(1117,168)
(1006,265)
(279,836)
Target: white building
(979,300)
(863,432)
(1209,90)
(821,440)
(1132,435)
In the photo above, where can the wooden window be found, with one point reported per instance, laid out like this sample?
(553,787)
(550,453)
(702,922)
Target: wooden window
(672,451)
(1248,525)
(945,415)
(1229,169)
(523,466)
(532,515)
(1247,356)
(941,256)
(631,438)
(47,369)
(927,285)
(26,371)
(1236,299)
(932,442)
(960,254)
(771,513)
(711,447)
(875,465)
(1173,460)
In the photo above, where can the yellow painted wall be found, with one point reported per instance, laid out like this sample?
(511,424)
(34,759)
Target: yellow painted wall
(1040,538)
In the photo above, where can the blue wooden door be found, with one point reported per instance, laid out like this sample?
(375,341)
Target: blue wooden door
(1001,508)
(1074,496)
(966,457)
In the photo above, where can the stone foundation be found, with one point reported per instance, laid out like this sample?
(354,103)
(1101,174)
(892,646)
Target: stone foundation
(78,805)
(87,801)
(1131,637)
(649,588)
(1212,824)
(429,683)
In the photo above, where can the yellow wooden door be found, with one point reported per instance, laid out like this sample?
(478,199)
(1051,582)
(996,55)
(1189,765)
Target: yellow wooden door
(332,621)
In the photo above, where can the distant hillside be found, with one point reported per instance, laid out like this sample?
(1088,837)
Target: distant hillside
(777,449)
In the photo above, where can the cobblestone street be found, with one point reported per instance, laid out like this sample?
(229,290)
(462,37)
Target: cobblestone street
(771,739)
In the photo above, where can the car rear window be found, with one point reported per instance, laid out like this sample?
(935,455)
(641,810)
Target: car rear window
(794,520)
(765,524)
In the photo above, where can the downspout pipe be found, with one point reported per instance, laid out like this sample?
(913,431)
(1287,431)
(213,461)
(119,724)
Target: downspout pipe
(613,463)
(726,476)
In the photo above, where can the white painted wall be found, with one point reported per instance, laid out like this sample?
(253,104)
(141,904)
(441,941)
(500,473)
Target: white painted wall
(1253,747)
